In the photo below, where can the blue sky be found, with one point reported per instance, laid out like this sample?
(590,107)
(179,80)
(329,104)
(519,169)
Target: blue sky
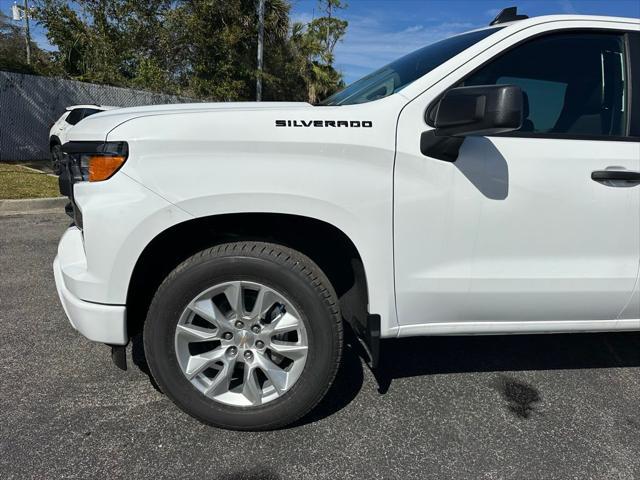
(383,30)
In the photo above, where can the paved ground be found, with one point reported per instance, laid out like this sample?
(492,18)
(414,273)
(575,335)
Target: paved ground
(557,406)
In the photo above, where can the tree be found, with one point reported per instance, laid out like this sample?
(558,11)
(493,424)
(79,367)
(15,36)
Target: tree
(102,41)
(13,52)
(316,42)
(216,44)
(198,48)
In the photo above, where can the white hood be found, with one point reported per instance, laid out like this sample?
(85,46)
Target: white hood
(96,127)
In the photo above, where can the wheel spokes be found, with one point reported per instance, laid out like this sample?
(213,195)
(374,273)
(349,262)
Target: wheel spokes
(193,333)
(250,388)
(290,350)
(266,299)
(285,322)
(208,310)
(220,383)
(234,294)
(278,377)
(198,363)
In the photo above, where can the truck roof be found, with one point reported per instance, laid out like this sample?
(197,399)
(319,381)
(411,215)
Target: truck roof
(564,17)
(90,105)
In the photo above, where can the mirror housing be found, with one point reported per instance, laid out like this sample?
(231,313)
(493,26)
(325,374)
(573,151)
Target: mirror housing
(465,111)
(479,110)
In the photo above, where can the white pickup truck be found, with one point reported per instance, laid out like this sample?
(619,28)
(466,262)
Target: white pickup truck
(485,184)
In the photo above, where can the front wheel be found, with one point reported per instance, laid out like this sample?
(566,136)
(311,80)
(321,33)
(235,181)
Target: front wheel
(245,335)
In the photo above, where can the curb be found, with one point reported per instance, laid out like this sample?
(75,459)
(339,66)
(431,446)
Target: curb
(35,170)
(32,205)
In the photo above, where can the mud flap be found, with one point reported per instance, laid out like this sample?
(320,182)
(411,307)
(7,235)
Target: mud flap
(369,337)
(119,356)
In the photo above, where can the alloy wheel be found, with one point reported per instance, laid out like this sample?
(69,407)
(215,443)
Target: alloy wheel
(241,343)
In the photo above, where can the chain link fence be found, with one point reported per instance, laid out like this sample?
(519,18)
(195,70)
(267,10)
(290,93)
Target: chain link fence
(30,104)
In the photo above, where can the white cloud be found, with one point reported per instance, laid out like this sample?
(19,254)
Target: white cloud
(415,28)
(301,17)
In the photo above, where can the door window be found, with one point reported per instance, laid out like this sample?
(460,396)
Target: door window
(573,83)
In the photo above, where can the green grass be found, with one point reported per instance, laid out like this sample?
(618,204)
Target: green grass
(20,182)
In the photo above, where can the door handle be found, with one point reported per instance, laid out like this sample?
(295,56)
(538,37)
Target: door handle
(613,175)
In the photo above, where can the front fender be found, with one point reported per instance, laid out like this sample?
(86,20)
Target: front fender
(226,162)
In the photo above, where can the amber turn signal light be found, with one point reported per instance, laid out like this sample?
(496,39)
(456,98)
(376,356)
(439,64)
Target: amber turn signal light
(102,167)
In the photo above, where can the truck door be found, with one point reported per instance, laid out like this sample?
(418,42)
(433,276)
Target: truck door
(536,226)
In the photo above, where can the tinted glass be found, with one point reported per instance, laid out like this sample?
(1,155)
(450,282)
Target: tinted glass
(574,83)
(75,116)
(402,72)
(90,111)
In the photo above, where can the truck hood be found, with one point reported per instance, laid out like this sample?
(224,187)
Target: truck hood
(96,127)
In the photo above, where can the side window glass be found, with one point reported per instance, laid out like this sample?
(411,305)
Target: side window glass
(89,111)
(573,83)
(544,103)
(75,116)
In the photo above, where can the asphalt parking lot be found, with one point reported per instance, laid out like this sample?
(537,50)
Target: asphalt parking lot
(554,406)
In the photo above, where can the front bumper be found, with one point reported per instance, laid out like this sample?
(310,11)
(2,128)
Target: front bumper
(97,322)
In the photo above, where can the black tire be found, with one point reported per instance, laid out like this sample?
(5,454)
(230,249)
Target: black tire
(291,273)
(56,158)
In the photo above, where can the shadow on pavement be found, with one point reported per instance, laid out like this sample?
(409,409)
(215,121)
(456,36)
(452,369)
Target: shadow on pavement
(140,360)
(346,385)
(419,356)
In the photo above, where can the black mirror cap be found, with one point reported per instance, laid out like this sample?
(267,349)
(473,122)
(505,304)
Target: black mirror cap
(479,110)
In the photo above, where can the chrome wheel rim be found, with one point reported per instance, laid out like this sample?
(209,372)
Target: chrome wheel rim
(241,343)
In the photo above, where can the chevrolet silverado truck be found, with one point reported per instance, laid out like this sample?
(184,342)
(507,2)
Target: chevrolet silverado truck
(485,184)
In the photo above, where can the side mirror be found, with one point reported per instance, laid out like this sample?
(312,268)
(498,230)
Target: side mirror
(482,110)
(465,111)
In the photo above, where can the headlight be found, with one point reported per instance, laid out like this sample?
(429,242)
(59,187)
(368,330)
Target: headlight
(95,161)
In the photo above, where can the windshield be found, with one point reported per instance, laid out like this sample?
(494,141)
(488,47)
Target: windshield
(400,73)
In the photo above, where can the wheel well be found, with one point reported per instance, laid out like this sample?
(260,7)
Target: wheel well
(325,244)
(54,141)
